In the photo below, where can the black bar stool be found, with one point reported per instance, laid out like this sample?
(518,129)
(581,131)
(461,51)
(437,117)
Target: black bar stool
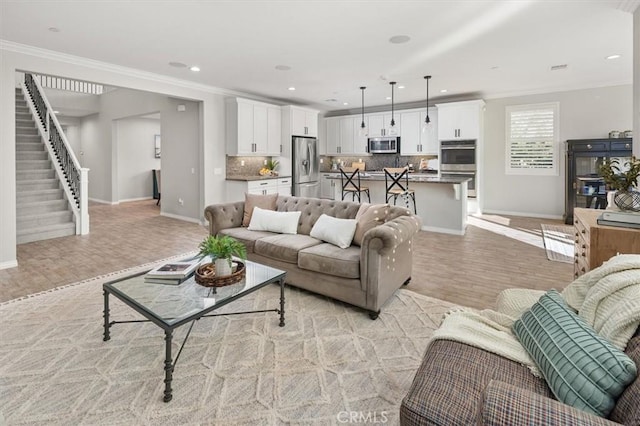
(349,186)
(393,180)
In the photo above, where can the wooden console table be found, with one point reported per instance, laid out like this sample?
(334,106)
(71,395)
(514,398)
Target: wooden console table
(595,244)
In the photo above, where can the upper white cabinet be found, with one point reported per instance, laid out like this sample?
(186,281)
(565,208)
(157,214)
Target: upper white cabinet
(418,139)
(380,125)
(333,136)
(459,120)
(304,122)
(343,136)
(251,128)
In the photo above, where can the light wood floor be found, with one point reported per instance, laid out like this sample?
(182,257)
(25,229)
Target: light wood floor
(469,270)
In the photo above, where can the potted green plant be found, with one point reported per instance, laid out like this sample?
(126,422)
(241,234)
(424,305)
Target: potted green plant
(622,178)
(221,250)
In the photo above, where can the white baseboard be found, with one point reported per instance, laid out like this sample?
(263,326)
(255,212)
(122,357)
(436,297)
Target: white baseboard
(96,200)
(523,214)
(185,218)
(9,264)
(126,200)
(442,230)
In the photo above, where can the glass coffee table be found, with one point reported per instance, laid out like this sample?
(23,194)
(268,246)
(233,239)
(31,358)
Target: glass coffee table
(171,306)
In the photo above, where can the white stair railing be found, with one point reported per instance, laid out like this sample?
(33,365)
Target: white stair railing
(73,177)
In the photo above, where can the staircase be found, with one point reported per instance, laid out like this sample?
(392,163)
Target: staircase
(42,209)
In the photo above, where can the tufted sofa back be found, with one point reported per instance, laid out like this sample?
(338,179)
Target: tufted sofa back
(313,208)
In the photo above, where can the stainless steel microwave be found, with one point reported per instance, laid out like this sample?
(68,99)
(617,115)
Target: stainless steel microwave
(386,145)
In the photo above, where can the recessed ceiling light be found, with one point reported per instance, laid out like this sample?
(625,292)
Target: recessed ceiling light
(56,112)
(388,98)
(54,29)
(345,103)
(283,67)
(443,91)
(399,39)
(292,88)
(177,64)
(616,56)
(195,68)
(400,87)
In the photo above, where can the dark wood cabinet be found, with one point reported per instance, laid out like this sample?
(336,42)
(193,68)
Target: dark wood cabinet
(584,186)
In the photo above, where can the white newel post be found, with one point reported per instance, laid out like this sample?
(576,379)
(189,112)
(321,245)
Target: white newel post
(84,201)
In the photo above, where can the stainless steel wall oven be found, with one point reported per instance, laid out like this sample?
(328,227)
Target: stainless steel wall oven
(458,158)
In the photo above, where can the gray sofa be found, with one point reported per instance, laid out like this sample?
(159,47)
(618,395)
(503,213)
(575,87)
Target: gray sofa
(365,276)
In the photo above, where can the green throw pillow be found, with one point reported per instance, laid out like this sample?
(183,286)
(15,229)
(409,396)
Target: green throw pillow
(581,368)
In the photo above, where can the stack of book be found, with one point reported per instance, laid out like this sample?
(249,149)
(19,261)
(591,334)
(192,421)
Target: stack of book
(623,219)
(172,273)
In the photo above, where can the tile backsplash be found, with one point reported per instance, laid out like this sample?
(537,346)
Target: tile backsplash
(251,167)
(375,162)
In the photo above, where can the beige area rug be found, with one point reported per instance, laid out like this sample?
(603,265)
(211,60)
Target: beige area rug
(558,242)
(328,361)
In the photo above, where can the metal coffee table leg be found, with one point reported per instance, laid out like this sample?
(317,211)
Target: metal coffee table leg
(282,303)
(168,366)
(106,315)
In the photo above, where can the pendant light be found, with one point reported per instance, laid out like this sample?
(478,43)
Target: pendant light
(363,127)
(427,120)
(392,130)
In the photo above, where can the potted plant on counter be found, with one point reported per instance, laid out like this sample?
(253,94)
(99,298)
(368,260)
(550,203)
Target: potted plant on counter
(622,178)
(270,168)
(221,250)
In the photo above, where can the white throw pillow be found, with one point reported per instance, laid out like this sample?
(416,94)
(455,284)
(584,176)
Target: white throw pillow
(272,221)
(338,232)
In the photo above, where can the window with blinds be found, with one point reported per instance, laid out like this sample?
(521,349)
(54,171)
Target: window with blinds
(532,139)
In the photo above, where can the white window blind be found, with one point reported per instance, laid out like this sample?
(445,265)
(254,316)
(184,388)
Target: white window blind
(532,139)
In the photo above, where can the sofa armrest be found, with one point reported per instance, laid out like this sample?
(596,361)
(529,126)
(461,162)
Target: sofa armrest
(223,216)
(384,238)
(505,404)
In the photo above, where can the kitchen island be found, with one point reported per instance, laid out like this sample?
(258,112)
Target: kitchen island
(441,202)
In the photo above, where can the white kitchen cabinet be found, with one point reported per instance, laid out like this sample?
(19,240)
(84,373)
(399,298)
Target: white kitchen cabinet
(284,186)
(346,135)
(274,131)
(380,125)
(304,122)
(327,186)
(262,187)
(410,143)
(359,142)
(429,143)
(249,128)
(459,120)
(333,136)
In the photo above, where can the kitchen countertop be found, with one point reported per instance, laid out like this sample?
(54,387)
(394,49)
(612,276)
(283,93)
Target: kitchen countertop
(248,178)
(413,177)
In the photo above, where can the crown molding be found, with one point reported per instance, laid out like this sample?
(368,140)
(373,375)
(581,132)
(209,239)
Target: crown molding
(558,89)
(53,55)
(628,5)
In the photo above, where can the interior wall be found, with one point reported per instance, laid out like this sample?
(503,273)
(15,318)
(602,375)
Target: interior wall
(180,144)
(136,157)
(583,114)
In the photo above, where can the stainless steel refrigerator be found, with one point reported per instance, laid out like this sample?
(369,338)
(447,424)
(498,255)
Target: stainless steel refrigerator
(306,162)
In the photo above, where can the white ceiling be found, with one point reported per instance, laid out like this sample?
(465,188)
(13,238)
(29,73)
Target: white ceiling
(472,48)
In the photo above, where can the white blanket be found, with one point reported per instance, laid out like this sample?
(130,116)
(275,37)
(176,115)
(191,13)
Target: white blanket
(608,298)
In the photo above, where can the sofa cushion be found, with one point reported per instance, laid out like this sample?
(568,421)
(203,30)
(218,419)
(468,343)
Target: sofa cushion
(245,236)
(312,208)
(329,259)
(272,221)
(581,368)
(284,247)
(338,232)
(266,202)
(448,387)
